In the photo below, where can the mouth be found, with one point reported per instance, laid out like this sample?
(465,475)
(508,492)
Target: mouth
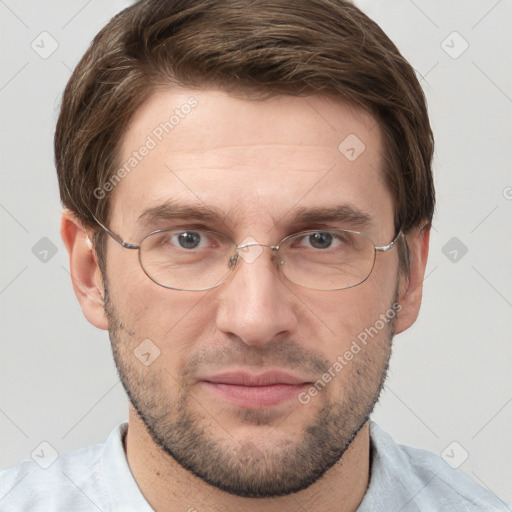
(255,391)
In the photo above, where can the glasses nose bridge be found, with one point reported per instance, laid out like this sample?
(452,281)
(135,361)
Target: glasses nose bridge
(242,246)
(250,258)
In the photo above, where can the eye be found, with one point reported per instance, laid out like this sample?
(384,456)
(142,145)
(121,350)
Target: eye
(188,240)
(319,240)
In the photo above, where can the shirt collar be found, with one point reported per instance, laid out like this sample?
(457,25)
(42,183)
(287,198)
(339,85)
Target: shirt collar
(386,488)
(123,492)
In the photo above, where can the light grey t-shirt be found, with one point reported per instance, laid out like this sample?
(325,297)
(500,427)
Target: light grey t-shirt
(98,478)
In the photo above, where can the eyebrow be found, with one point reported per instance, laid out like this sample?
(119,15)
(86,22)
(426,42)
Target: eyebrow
(173,209)
(348,215)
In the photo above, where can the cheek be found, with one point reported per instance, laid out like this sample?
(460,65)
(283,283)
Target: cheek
(173,320)
(346,316)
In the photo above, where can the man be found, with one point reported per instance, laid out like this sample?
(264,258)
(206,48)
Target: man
(248,196)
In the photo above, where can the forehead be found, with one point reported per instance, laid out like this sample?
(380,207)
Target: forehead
(259,158)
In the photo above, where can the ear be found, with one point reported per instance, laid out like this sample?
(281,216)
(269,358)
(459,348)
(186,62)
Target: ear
(411,286)
(84,269)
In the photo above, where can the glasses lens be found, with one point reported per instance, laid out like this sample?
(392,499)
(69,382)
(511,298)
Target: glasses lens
(194,259)
(187,259)
(327,260)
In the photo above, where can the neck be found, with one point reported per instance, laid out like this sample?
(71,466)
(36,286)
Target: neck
(167,486)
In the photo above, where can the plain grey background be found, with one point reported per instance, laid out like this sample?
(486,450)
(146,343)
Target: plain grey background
(449,388)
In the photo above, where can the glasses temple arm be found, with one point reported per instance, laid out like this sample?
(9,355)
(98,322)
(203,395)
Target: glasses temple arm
(115,236)
(384,248)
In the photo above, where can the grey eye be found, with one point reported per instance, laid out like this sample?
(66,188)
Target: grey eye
(320,240)
(189,239)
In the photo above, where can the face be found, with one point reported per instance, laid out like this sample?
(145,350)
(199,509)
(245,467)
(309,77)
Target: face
(259,385)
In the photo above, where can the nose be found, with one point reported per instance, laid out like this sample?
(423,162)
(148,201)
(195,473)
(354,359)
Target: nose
(255,304)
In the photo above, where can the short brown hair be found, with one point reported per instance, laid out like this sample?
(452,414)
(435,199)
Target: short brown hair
(258,48)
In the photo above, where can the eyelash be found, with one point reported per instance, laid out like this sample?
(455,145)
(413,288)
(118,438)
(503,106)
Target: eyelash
(294,228)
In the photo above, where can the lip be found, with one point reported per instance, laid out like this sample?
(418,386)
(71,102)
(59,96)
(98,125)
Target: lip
(269,378)
(255,391)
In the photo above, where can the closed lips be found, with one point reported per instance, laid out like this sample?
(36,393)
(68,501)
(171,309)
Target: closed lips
(248,379)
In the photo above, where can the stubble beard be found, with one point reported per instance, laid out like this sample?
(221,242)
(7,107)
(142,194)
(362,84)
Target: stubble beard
(253,468)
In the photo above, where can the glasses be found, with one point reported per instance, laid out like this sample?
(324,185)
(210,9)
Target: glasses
(192,259)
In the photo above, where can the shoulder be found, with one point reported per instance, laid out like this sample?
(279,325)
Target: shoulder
(72,481)
(420,480)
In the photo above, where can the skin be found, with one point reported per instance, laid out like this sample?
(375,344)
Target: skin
(257,162)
